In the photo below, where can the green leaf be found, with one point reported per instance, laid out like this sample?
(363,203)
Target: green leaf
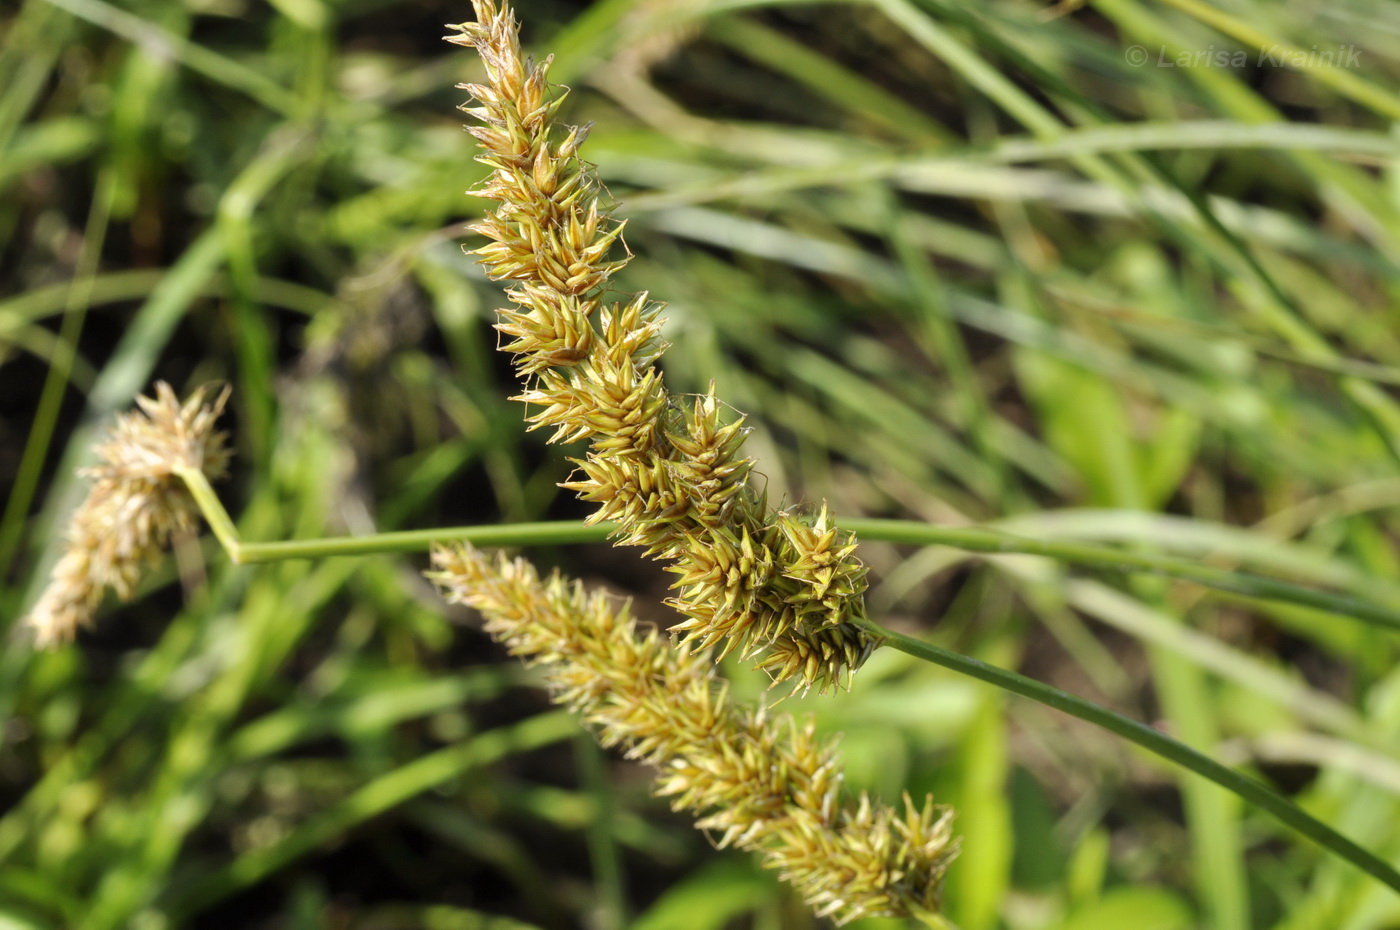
(1138,908)
(708,899)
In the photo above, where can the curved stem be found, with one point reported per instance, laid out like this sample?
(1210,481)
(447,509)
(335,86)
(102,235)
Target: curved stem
(1248,584)
(1254,792)
(506,534)
(970,538)
(214,513)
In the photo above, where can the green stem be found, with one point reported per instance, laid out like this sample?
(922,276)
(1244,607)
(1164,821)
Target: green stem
(1247,584)
(145,34)
(974,539)
(214,513)
(1336,76)
(1247,788)
(508,534)
(608,875)
(65,349)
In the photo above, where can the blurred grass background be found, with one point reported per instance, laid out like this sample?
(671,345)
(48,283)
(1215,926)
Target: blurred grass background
(960,263)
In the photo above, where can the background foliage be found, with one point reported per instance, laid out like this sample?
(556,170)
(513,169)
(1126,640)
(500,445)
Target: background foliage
(958,262)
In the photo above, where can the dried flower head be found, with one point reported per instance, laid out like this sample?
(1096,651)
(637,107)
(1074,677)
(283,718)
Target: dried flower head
(134,506)
(762,782)
(666,468)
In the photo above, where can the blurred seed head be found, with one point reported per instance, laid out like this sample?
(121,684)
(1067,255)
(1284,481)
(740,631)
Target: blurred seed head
(136,503)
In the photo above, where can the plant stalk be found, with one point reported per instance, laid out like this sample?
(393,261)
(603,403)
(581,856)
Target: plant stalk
(1154,741)
(973,539)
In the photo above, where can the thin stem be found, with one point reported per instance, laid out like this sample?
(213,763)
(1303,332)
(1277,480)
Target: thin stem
(1247,584)
(608,876)
(214,513)
(506,534)
(974,539)
(196,57)
(1247,788)
(65,349)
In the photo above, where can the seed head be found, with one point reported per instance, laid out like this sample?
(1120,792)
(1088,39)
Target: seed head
(135,505)
(667,469)
(759,781)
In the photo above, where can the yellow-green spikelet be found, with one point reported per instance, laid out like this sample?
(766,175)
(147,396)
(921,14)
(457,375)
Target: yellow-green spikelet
(762,782)
(667,469)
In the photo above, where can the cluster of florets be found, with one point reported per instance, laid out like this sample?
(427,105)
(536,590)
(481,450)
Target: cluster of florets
(761,781)
(667,469)
(135,505)
(669,472)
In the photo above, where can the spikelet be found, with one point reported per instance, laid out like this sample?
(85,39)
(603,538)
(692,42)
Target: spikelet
(134,506)
(760,781)
(667,469)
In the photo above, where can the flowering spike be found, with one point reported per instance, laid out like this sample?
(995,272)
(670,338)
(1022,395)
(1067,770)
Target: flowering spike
(762,782)
(667,469)
(135,505)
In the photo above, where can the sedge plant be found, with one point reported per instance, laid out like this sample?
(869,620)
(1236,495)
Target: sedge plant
(773,582)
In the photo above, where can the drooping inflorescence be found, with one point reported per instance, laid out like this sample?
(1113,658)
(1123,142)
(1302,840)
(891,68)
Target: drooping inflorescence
(135,505)
(667,469)
(763,782)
